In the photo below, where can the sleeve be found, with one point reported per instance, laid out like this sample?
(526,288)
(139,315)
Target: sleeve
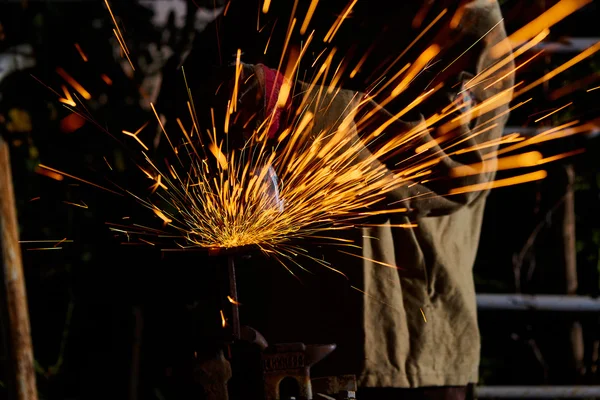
(467,139)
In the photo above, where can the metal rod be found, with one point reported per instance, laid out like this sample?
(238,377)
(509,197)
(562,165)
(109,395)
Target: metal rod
(15,298)
(538,392)
(235,312)
(537,302)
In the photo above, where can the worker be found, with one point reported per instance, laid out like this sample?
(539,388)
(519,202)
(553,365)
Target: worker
(404,316)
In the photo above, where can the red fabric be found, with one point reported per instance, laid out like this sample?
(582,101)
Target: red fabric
(273,82)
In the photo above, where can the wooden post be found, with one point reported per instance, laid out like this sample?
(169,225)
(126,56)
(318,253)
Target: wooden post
(15,299)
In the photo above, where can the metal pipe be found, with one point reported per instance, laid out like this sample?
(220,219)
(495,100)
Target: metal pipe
(538,392)
(14,296)
(537,302)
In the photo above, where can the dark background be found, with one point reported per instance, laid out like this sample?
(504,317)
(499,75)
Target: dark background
(101,305)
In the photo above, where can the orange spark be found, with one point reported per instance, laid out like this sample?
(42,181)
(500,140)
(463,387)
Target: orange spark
(75,204)
(594,88)
(338,22)
(59,177)
(71,123)
(515,180)
(549,18)
(529,159)
(265,7)
(233,301)
(106,79)
(309,15)
(62,241)
(553,112)
(423,314)
(50,174)
(223,319)
(221,159)
(560,156)
(162,216)
(68,99)
(81,53)
(416,68)
(35,198)
(578,58)
(86,95)
(135,135)
(106,161)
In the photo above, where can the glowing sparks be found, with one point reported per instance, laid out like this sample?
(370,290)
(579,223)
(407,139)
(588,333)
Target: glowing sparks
(233,301)
(71,81)
(119,36)
(515,180)
(529,159)
(68,99)
(309,15)
(553,112)
(548,19)
(106,79)
(166,220)
(223,319)
(339,21)
(81,53)
(58,175)
(135,136)
(266,5)
(83,205)
(423,314)
(578,58)
(592,89)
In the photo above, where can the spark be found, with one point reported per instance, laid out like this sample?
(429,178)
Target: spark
(553,112)
(515,180)
(223,319)
(269,40)
(71,81)
(35,198)
(62,241)
(68,99)
(546,20)
(374,298)
(46,241)
(119,36)
(594,88)
(423,314)
(50,174)
(560,156)
(106,79)
(529,159)
(135,136)
(266,5)
(81,53)
(475,43)
(309,15)
(49,171)
(233,301)
(83,205)
(578,58)
(370,260)
(162,216)
(106,161)
(338,22)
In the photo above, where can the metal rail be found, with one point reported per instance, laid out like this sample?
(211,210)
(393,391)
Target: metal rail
(538,392)
(521,302)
